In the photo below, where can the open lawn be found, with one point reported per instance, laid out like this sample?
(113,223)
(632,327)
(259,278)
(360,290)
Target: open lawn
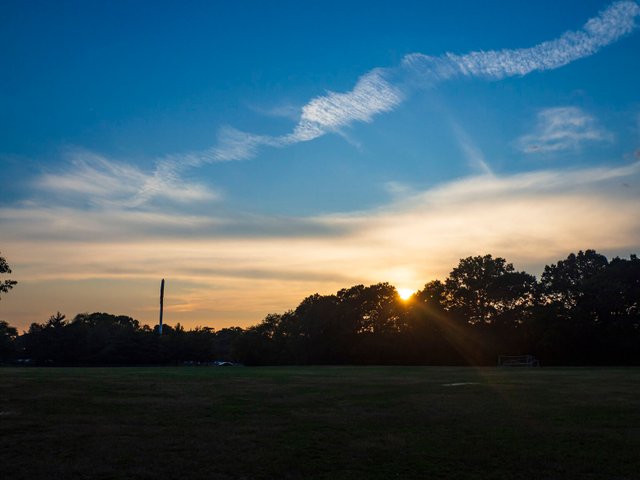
(319,422)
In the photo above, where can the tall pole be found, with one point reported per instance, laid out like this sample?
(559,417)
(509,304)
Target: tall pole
(161,306)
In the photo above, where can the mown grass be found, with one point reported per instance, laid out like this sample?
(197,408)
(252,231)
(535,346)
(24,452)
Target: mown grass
(320,423)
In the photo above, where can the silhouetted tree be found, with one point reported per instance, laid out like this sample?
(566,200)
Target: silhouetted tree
(256,346)
(104,338)
(563,282)
(5,285)
(8,335)
(611,307)
(586,310)
(487,290)
(382,309)
(320,329)
(48,342)
(563,318)
(383,319)
(200,344)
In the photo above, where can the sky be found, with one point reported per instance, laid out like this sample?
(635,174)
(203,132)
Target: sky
(253,153)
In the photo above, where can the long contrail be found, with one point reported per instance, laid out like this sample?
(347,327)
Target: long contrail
(383,89)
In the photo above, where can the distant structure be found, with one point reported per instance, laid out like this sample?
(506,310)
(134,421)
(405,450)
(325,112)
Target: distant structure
(161,306)
(518,361)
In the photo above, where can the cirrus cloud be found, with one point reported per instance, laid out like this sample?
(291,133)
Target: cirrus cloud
(562,128)
(107,183)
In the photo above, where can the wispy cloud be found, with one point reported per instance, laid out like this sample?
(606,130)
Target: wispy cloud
(610,25)
(562,128)
(417,237)
(598,32)
(108,183)
(285,110)
(383,89)
(373,94)
(377,91)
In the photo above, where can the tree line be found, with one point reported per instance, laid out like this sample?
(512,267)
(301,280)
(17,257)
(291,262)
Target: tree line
(584,309)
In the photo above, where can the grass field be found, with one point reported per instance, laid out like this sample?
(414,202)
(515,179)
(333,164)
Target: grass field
(319,422)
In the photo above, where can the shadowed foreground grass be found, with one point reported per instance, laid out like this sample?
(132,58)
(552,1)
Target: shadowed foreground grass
(319,422)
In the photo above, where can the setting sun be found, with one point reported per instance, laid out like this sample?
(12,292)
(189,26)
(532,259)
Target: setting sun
(405,293)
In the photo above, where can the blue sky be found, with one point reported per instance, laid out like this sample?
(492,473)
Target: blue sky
(255,153)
